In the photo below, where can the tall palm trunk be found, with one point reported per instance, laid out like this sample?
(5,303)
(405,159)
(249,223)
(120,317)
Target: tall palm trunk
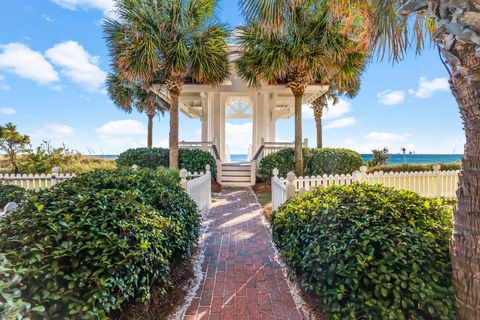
(150,116)
(465,243)
(173,142)
(298,134)
(318,106)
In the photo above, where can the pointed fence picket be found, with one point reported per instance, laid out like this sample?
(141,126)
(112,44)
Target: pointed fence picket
(36,181)
(432,184)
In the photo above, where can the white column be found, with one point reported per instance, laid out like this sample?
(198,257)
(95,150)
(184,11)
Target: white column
(221,138)
(255,122)
(205,116)
(272,118)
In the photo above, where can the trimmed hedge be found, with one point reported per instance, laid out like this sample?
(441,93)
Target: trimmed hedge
(191,160)
(93,243)
(315,162)
(10,193)
(369,252)
(414,167)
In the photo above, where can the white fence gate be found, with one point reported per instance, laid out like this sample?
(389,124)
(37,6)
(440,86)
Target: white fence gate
(432,184)
(198,187)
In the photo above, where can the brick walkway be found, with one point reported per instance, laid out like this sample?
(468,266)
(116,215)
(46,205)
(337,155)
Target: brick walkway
(242,279)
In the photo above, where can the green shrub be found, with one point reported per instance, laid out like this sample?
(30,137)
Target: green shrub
(414,167)
(369,252)
(316,162)
(332,161)
(9,193)
(191,160)
(95,242)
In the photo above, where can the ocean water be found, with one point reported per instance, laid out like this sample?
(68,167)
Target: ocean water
(394,158)
(418,158)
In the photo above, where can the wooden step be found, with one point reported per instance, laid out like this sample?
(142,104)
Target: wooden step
(235,178)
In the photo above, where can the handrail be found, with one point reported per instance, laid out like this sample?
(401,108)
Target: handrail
(259,152)
(215,151)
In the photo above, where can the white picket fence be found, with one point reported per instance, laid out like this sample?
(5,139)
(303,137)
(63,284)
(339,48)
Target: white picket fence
(432,184)
(199,187)
(36,181)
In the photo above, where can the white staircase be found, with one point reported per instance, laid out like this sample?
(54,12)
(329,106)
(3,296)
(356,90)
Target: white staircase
(236,174)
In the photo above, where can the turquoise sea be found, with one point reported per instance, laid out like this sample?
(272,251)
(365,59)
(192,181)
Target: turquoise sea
(394,158)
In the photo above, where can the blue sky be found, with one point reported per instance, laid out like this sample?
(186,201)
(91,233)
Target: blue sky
(53,60)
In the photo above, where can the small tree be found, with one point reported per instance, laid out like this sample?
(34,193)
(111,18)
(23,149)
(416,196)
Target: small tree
(380,157)
(12,143)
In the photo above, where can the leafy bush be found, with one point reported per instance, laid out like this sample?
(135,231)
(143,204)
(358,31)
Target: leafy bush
(414,167)
(95,242)
(370,252)
(190,160)
(9,193)
(316,162)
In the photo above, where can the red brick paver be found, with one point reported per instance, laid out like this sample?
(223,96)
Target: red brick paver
(241,280)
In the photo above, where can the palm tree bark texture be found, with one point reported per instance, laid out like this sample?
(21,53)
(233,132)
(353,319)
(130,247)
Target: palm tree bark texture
(318,106)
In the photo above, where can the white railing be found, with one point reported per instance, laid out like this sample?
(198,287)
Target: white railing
(36,181)
(199,187)
(431,184)
(267,148)
(198,145)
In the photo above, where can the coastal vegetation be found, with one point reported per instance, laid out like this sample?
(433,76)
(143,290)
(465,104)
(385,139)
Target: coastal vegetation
(190,160)
(162,45)
(128,96)
(90,245)
(304,48)
(369,252)
(317,162)
(391,27)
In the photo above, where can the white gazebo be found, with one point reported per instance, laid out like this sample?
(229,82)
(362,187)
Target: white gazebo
(234,99)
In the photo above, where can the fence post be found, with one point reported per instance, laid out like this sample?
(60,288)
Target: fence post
(291,185)
(54,176)
(219,171)
(438,180)
(253,171)
(134,167)
(360,175)
(183,178)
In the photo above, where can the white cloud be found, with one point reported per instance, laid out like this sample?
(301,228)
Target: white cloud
(427,88)
(335,111)
(104,5)
(54,132)
(391,97)
(386,137)
(19,59)
(238,137)
(47,18)
(7,111)
(78,65)
(332,112)
(117,136)
(341,123)
(379,140)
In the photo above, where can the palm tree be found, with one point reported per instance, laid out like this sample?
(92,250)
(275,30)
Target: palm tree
(343,79)
(295,55)
(455,30)
(167,43)
(127,95)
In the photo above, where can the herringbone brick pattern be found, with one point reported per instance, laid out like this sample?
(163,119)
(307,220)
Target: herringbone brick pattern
(242,279)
